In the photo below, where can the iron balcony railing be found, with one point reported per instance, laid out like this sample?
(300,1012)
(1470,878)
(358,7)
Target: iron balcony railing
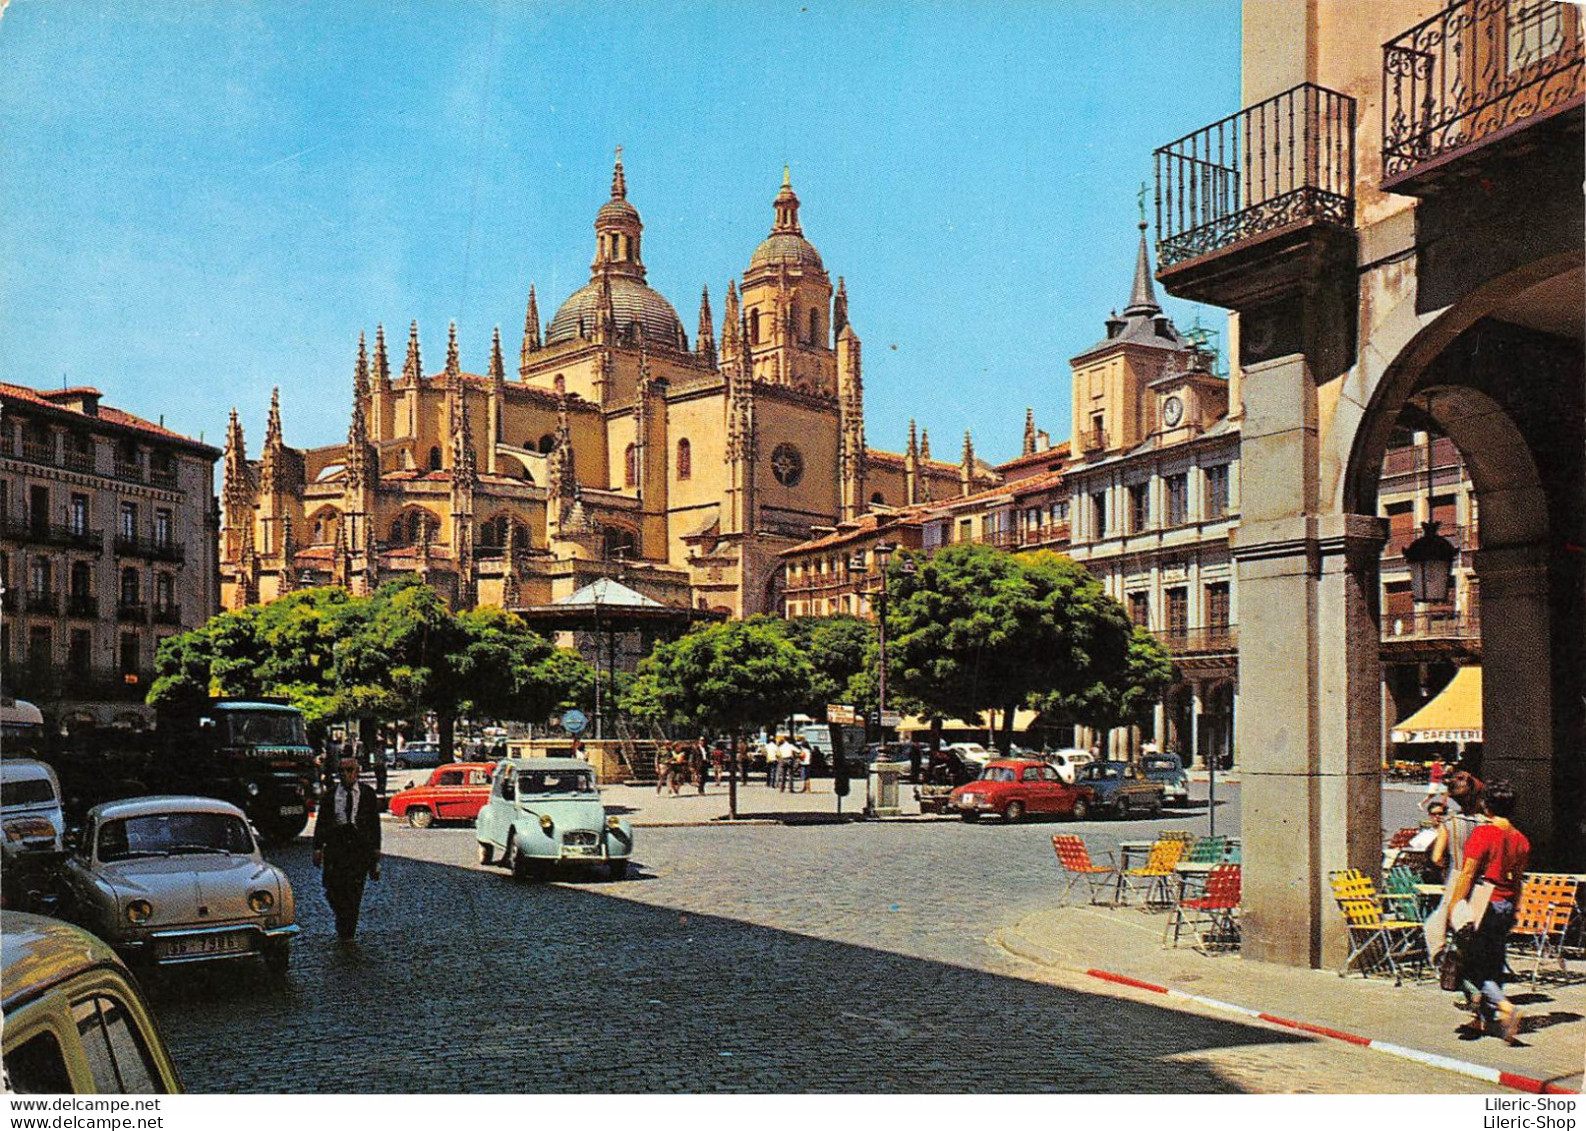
(1431,625)
(1280,162)
(1476,69)
(130,471)
(35,451)
(51,534)
(163,477)
(77,459)
(42,601)
(133,611)
(132,545)
(167,614)
(1210,640)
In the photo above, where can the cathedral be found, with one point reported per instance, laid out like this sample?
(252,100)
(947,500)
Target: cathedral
(619,448)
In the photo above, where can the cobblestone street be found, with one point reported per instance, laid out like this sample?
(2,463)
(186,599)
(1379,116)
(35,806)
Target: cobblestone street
(851,957)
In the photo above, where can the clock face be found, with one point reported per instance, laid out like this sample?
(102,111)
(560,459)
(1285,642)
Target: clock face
(787,464)
(1172,412)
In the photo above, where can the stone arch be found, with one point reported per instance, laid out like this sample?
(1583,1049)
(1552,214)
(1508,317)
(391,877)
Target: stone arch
(1509,395)
(405,527)
(322,526)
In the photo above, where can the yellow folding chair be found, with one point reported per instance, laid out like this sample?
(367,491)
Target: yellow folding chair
(1376,941)
(1152,877)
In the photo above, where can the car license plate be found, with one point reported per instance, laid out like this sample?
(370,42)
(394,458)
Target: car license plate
(580,850)
(291,810)
(198,946)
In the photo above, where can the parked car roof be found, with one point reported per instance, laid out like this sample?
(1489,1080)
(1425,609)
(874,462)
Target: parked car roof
(37,953)
(547,763)
(171,803)
(26,769)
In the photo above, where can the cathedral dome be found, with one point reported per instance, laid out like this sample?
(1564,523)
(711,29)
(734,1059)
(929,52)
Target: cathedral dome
(631,301)
(786,248)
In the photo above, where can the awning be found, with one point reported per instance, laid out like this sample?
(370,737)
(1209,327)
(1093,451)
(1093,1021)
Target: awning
(1453,715)
(1022,721)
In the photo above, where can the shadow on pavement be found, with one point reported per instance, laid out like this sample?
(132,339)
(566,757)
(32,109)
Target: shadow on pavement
(462,980)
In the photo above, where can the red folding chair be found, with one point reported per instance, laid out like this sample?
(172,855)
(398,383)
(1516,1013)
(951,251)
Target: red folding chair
(1074,858)
(1213,915)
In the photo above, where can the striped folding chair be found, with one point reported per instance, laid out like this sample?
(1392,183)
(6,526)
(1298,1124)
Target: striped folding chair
(1542,919)
(1213,915)
(1075,860)
(1400,899)
(1177,834)
(1376,941)
(1206,850)
(1152,877)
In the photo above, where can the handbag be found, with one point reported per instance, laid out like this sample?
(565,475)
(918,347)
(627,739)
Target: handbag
(1450,968)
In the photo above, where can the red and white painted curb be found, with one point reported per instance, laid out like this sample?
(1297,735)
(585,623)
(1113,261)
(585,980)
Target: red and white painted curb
(1464,1068)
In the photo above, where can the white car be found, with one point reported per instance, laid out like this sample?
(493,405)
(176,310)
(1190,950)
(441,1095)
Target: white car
(547,811)
(1067,762)
(179,879)
(972,752)
(33,825)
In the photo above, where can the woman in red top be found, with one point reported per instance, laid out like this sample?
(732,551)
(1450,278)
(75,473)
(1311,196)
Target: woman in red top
(1495,853)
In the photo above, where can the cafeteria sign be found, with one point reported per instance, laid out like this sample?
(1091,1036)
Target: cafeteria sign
(841,713)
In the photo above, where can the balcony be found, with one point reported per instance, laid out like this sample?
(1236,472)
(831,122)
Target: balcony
(1052,534)
(76,459)
(1213,640)
(131,472)
(1095,441)
(1430,635)
(42,601)
(1245,205)
(163,477)
(167,614)
(82,605)
(136,546)
(1473,78)
(132,612)
(52,534)
(38,451)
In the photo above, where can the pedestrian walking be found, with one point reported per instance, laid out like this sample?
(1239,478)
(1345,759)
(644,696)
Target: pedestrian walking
(787,757)
(773,759)
(741,756)
(698,758)
(805,757)
(679,768)
(381,768)
(663,767)
(1496,857)
(1465,789)
(347,846)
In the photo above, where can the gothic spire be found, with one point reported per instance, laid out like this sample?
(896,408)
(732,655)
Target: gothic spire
(272,427)
(382,365)
(464,467)
(968,460)
(840,308)
(531,334)
(498,371)
(1029,432)
(925,443)
(914,441)
(453,367)
(360,375)
(413,367)
(1142,298)
(357,461)
(705,341)
(729,322)
(235,490)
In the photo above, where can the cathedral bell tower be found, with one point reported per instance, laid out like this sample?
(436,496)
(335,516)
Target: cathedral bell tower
(787,302)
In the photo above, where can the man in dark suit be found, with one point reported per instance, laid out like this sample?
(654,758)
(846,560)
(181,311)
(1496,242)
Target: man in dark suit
(347,845)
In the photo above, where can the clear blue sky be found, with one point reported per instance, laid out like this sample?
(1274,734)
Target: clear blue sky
(201,200)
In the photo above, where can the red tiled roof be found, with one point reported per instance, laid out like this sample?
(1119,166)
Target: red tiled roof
(866,524)
(114,417)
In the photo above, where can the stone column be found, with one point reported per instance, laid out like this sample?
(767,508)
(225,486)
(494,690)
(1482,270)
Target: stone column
(1192,741)
(1308,675)
(1517,695)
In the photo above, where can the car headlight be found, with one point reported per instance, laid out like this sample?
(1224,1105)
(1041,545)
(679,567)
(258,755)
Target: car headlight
(261,901)
(614,822)
(253,789)
(546,824)
(139,911)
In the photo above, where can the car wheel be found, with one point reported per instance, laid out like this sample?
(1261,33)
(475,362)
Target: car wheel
(1013,812)
(1121,809)
(617,869)
(969,816)
(522,867)
(399,763)
(487,854)
(1081,809)
(277,957)
(420,818)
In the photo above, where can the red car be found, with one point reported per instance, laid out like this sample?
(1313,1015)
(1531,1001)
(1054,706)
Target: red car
(1012,787)
(454,792)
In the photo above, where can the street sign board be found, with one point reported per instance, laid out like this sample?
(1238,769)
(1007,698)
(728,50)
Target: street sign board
(891,720)
(574,722)
(841,713)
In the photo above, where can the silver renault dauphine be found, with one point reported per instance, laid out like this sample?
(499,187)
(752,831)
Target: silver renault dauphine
(167,880)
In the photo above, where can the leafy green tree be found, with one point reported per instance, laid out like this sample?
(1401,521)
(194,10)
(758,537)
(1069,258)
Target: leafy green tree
(731,676)
(839,649)
(1122,698)
(973,628)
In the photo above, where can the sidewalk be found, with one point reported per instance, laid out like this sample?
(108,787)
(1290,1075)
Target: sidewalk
(757,804)
(1413,1020)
